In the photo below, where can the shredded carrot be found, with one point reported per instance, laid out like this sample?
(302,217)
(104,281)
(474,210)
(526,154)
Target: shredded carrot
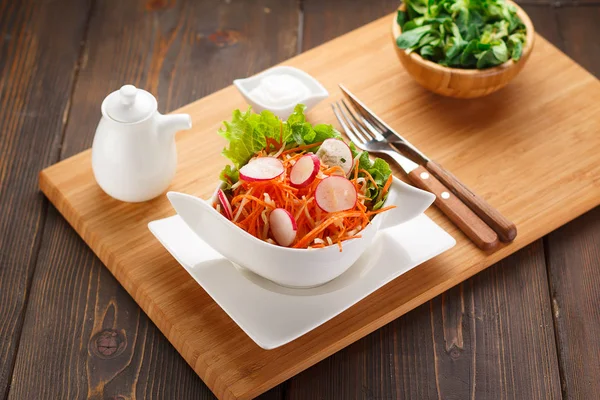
(281,133)
(320,228)
(302,148)
(368,175)
(380,210)
(251,201)
(239,198)
(387,185)
(333,170)
(294,158)
(273,143)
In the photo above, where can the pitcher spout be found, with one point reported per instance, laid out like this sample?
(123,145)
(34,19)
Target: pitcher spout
(169,125)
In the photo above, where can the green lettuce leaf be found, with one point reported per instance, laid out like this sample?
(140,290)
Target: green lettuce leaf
(379,170)
(324,131)
(364,162)
(297,116)
(229,176)
(247,134)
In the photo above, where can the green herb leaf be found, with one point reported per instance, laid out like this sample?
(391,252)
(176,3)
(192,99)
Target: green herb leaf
(428,52)
(416,8)
(379,204)
(229,176)
(472,32)
(467,57)
(354,150)
(411,38)
(364,162)
(379,170)
(412,24)
(515,45)
(454,48)
(500,52)
(401,18)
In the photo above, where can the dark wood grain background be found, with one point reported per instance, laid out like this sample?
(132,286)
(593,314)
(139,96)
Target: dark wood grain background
(526,328)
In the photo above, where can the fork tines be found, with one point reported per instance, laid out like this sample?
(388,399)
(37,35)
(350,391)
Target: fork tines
(358,129)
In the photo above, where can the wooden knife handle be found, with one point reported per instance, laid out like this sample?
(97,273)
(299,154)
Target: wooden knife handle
(506,230)
(466,220)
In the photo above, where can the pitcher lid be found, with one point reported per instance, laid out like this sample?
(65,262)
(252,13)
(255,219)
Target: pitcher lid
(129,104)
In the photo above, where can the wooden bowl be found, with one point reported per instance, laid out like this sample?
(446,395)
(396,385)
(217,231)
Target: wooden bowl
(463,83)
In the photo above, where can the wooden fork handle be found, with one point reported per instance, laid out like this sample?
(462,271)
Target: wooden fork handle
(506,230)
(462,216)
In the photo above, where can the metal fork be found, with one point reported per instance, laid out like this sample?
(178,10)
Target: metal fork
(506,230)
(367,138)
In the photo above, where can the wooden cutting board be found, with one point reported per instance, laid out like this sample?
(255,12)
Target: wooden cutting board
(532,150)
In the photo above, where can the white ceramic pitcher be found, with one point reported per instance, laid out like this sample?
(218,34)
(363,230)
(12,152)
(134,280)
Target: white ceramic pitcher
(134,155)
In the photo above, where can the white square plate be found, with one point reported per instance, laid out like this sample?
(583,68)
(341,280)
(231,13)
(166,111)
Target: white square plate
(273,315)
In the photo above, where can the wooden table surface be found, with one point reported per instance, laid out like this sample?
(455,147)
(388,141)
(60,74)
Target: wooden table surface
(526,328)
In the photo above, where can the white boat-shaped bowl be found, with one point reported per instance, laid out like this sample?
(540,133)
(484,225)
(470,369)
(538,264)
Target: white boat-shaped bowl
(316,91)
(294,267)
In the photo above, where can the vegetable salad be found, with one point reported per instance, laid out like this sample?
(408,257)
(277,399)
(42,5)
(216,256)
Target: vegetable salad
(298,185)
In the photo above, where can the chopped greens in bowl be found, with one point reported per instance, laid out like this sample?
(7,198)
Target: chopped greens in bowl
(462,33)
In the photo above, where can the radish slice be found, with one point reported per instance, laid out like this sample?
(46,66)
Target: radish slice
(261,169)
(335,193)
(305,170)
(283,226)
(225,203)
(336,152)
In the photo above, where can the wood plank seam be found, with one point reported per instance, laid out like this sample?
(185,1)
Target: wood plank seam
(300,36)
(560,34)
(36,246)
(21,318)
(561,372)
(45,204)
(82,52)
